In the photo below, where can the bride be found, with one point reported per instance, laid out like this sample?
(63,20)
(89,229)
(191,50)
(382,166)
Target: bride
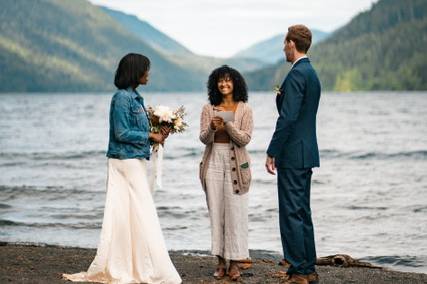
(131,247)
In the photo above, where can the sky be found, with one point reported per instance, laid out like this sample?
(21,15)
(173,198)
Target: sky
(223,27)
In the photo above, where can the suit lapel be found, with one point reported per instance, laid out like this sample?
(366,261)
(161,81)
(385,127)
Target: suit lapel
(279,98)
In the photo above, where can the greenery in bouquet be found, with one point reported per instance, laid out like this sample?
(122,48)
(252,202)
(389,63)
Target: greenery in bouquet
(164,116)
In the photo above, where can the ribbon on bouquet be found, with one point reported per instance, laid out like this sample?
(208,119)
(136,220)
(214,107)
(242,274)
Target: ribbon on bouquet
(156,167)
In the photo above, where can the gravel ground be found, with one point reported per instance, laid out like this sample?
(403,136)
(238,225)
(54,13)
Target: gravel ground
(45,264)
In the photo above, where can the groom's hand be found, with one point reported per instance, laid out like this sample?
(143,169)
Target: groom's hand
(270,166)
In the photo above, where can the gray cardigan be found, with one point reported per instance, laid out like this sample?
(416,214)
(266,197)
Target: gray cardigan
(240,132)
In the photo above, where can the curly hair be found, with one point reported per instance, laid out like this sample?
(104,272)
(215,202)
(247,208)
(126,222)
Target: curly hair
(240,89)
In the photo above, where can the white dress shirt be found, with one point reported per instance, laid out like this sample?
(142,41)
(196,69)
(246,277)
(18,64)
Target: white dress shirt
(304,56)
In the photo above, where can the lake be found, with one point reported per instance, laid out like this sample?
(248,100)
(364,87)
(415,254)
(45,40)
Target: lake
(369,197)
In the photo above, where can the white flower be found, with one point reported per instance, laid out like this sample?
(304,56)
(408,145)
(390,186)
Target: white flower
(178,123)
(164,113)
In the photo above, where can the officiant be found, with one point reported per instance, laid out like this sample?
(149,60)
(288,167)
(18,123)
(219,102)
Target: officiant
(225,128)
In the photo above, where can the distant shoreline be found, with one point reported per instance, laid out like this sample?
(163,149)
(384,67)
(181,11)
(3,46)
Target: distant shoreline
(112,91)
(32,263)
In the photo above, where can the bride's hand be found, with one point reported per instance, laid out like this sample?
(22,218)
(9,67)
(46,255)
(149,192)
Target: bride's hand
(164,130)
(156,137)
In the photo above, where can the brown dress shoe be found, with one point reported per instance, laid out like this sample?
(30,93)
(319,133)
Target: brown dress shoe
(219,272)
(284,263)
(313,278)
(234,271)
(296,279)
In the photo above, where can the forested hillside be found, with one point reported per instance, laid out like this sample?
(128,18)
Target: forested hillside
(380,49)
(54,45)
(271,49)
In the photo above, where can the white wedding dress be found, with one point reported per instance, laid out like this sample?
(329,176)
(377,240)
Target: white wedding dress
(131,247)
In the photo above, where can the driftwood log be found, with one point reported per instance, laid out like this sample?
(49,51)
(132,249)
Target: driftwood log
(340,260)
(343,260)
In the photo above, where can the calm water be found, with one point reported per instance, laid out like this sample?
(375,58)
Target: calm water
(369,197)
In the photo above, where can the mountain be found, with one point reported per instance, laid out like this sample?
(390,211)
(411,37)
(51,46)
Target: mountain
(149,34)
(271,49)
(176,52)
(71,46)
(379,49)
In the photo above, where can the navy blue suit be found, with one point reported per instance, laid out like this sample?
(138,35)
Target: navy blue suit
(294,147)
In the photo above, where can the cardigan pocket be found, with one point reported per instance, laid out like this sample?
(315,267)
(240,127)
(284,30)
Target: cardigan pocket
(245,172)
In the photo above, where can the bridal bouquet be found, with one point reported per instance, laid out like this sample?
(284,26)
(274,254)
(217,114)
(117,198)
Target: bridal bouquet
(173,119)
(165,116)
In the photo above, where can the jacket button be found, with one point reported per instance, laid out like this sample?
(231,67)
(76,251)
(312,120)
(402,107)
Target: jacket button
(232,148)
(233,169)
(235,181)
(232,158)
(237,191)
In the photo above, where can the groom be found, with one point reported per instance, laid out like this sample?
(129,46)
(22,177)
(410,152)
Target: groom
(293,151)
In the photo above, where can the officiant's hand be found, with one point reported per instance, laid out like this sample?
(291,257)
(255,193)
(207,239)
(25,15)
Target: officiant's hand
(270,165)
(156,137)
(217,123)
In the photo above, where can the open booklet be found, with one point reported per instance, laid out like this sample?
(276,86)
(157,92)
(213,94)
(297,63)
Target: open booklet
(225,115)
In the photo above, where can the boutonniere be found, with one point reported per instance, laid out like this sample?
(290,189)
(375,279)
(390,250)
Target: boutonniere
(276,90)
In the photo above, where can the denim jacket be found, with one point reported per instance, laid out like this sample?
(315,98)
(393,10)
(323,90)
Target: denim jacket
(129,126)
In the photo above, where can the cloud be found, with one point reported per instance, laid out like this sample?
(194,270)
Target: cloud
(223,27)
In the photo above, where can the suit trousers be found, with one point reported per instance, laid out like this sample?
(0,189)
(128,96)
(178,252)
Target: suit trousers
(296,226)
(228,211)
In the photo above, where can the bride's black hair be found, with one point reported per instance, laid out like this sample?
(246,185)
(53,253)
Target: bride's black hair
(240,89)
(130,70)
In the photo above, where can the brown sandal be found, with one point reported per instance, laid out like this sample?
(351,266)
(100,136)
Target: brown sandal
(234,271)
(219,272)
(245,263)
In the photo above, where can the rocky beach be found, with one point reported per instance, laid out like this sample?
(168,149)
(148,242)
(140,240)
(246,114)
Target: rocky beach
(29,263)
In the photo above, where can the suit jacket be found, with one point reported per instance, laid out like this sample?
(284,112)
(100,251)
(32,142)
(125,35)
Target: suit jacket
(294,142)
